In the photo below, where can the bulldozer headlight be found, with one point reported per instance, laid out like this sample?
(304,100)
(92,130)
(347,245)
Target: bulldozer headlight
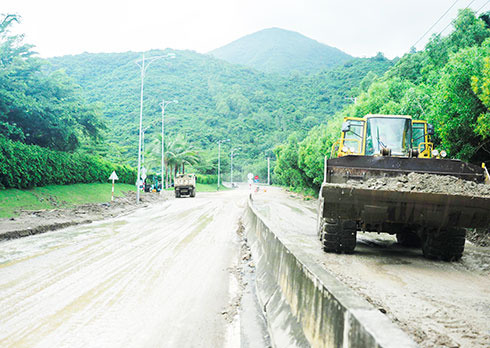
(443,154)
(345,149)
(351,149)
(435,153)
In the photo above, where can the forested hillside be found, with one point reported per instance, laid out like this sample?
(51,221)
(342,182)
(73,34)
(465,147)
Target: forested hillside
(447,84)
(217,100)
(276,50)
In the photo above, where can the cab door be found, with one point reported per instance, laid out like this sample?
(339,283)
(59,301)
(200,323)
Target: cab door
(420,138)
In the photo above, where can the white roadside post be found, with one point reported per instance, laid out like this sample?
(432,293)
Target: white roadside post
(113,177)
(250,177)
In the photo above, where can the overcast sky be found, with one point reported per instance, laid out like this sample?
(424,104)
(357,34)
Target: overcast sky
(358,27)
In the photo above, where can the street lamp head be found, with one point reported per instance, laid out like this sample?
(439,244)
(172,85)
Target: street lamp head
(175,101)
(171,55)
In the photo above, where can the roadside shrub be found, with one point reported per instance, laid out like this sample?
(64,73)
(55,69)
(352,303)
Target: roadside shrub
(25,166)
(206,179)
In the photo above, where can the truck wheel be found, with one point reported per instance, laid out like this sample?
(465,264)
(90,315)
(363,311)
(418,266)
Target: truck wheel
(177,194)
(408,238)
(193,193)
(339,236)
(446,244)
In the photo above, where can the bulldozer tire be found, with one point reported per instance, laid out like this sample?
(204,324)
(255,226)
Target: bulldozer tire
(339,236)
(446,244)
(408,238)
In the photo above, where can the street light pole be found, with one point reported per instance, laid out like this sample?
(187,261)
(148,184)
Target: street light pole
(141,63)
(143,147)
(219,158)
(163,104)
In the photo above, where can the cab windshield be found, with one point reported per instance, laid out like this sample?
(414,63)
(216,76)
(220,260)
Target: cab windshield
(392,133)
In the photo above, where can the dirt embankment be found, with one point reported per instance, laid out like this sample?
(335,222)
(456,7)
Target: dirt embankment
(415,182)
(31,222)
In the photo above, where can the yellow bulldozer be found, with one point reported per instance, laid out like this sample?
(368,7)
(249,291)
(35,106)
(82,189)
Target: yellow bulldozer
(378,147)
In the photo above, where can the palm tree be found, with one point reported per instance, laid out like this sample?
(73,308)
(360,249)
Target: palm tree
(178,153)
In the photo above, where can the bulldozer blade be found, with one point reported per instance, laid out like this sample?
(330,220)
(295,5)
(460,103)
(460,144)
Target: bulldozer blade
(377,207)
(341,169)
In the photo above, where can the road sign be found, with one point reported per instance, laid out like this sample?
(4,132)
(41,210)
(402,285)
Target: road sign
(113,177)
(250,176)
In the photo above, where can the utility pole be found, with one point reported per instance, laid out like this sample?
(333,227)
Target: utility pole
(143,67)
(163,104)
(232,154)
(143,149)
(219,158)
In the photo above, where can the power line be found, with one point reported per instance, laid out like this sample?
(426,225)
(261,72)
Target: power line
(433,25)
(485,4)
(452,21)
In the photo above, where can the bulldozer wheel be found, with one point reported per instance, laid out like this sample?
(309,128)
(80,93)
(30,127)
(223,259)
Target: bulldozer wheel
(446,244)
(339,236)
(408,238)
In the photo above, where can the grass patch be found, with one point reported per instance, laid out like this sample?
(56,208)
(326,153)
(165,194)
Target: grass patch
(210,187)
(57,196)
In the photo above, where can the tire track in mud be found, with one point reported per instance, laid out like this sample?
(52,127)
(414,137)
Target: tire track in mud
(90,275)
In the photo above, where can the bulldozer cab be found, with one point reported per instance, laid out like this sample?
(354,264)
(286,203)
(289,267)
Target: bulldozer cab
(373,135)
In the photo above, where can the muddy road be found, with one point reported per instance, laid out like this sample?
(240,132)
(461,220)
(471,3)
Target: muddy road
(163,276)
(438,304)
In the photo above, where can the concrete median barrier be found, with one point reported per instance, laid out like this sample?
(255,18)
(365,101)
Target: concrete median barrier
(304,304)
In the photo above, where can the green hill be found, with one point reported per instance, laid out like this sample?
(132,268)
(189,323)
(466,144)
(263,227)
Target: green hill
(217,100)
(281,51)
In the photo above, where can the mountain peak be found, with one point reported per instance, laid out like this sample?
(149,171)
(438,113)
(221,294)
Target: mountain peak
(277,50)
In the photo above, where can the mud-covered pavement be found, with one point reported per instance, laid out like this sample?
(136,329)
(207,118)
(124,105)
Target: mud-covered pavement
(169,275)
(30,222)
(438,304)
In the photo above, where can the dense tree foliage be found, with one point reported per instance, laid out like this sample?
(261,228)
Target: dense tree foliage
(38,108)
(44,119)
(446,84)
